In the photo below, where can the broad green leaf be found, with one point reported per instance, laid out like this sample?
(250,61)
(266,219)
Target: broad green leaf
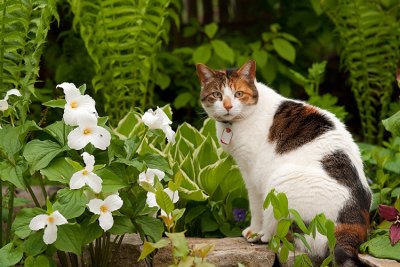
(82,89)
(13,173)
(223,50)
(202,54)
(20,225)
(111,181)
(57,103)
(156,162)
(211,29)
(299,221)
(150,226)
(230,231)
(122,225)
(34,244)
(40,153)
(10,255)
(206,153)
(12,139)
(283,204)
(303,239)
(58,170)
(381,247)
(71,203)
(59,130)
(69,238)
(283,254)
(261,57)
(164,201)
(208,222)
(284,49)
(283,228)
(39,261)
(189,133)
(327,261)
(179,243)
(149,247)
(90,231)
(182,100)
(392,124)
(127,124)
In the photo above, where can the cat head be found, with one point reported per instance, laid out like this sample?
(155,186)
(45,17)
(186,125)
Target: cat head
(228,95)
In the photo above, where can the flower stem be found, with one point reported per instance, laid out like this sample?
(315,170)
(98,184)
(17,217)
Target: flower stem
(63,258)
(92,256)
(141,141)
(1,212)
(28,186)
(11,190)
(42,186)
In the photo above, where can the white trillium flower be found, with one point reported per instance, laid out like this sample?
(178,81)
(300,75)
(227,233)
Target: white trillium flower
(4,103)
(88,132)
(159,120)
(104,208)
(151,197)
(76,104)
(50,223)
(150,174)
(86,176)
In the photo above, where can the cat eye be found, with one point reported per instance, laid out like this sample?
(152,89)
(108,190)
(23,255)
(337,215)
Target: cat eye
(217,94)
(239,94)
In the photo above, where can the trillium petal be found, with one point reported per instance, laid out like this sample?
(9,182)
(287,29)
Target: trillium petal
(89,161)
(100,138)
(50,234)
(38,222)
(170,134)
(70,115)
(173,195)
(87,120)
(70,91)
(12,92)
(87,103)
(155,172)
(77,139)
(106,221)
(164,118)
(388,213)
(152,120)
(3,105)
(394,233)
(151,200)
(77,180)
(59,219)
(113,202)
(143,177)
(94,205)
(94,182)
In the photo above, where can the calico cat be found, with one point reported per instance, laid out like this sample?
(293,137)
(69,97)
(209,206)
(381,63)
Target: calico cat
(292,147)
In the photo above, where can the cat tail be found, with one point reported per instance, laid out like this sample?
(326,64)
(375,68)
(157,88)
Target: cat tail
(349,237)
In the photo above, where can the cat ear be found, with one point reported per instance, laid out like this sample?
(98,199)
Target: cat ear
(204,73)
(248,71)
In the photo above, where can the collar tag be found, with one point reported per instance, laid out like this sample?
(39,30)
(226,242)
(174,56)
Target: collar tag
(226,136)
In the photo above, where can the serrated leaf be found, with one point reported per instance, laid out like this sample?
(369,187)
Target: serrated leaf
(284,49)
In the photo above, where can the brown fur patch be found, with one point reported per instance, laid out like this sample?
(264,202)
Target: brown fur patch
(294,125)
(250,93)
(310,109)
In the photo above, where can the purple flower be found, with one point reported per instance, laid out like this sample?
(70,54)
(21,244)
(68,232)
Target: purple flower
(239,215)
(393,215)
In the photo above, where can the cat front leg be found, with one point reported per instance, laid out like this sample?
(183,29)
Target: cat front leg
(269,225)
(252,233)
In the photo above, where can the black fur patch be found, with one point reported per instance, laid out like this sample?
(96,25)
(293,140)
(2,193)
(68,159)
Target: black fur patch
(296,124)
(339,166)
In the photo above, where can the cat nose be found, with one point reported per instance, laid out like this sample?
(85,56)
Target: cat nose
(227,104)
(228,107)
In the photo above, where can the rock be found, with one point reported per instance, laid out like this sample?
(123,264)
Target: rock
(228,252)
(375,262)
(129,252)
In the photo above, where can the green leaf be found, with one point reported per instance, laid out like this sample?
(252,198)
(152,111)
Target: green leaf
(57,103)
(202,54)
(381,247)
(122,225)
(211,29)
(111,181)
(91,231)
(40,153)
(59,170)
(283,228)
(223,50)
(182,100)
(316,4)
(156,162)
(299,221)
(13,173)
(149,247)
(392,124)
(10,255)
(34,244)
(194,213)
(150,226)
(205,153)
(59,130)
(283,254)
(69,238)
(39,261)
(303,239)
(208,222)
(179,243)
(12,139)
(164,201)
(283,204)
(20,225)
(82,89)
(261,57)
(284,49)
(70,202)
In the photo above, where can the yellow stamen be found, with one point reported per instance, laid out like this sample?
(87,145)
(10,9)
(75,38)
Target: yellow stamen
(85,172)
(87,131)
(50,219)
(74,104)
(103,208)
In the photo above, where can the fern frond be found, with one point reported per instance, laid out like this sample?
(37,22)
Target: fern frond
(24,26)
(369,52)
(122,38)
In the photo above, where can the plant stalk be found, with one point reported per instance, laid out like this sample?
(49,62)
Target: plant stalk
(63,258)
(42,187)
(1,213)
(28,186)
(11,189)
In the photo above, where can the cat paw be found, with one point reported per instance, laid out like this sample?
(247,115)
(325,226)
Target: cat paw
(265,238)
(250,235)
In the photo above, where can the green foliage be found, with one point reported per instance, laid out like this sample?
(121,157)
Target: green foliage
(24,26)
(369,50)
(122,38)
